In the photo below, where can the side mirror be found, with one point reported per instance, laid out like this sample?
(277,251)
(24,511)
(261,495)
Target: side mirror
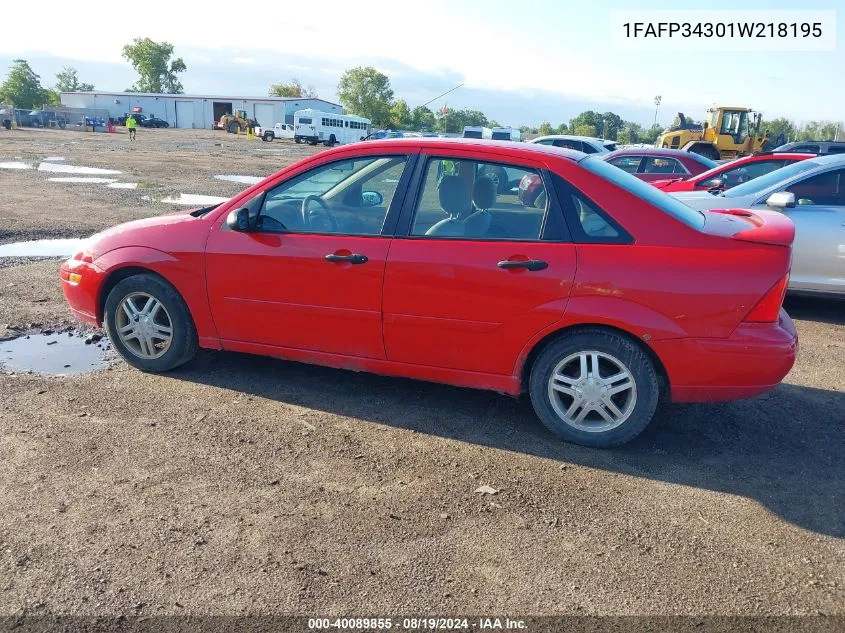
(781,200)
(238,220)
(714,183)
(371,199)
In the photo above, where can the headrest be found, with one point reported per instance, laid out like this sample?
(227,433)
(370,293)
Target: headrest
(453,195)
(484,193)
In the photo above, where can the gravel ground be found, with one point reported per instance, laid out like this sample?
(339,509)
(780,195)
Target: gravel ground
(244,485)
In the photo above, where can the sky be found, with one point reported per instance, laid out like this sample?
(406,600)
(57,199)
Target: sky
(520,62)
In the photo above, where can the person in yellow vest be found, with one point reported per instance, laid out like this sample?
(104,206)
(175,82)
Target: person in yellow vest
(131,125)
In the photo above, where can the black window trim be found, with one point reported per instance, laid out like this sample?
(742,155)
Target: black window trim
(579,236)
(555,231)
(391,218)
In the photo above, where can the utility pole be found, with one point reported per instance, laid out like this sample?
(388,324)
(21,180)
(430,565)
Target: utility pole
(657,101)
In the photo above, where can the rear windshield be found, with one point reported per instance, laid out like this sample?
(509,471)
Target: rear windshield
(501,136)
(647,192)
(611,146)
(758,185)
(469,134)
(707,162)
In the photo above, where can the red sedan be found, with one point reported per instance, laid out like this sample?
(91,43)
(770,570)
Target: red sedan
(403,258)
(732,173)
(654,163)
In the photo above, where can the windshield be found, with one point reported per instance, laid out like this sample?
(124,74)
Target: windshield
(758,185)
(472,134)
(501,136)
(611,146)
(642,189)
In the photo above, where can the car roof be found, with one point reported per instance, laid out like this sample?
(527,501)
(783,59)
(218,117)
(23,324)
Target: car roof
(656,151)
(515,148)
(570,137)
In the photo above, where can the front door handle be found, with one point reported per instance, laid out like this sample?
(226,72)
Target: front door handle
(529,264)
(352,258)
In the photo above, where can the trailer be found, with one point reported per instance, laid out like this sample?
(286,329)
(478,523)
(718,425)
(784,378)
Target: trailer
(313,126)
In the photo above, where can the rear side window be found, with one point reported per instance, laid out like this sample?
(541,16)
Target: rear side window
(810,149)
(641,189)
(836,149)
(587,222)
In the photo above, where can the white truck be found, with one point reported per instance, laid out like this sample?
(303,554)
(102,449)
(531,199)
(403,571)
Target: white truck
(280,130)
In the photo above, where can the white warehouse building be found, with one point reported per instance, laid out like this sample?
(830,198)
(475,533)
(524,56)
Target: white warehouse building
(196,111)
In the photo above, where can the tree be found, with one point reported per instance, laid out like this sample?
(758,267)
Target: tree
(584,130)
(545,129)
(650,136)
(68,81)
(400,115)
(422,118)
(562,129)
(630,133)
(156,70)
(23,87)
(366,92)
(611,123)
(780,131)
(293,89)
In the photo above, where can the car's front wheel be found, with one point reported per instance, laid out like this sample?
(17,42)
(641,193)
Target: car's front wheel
(594,387)
(149,323)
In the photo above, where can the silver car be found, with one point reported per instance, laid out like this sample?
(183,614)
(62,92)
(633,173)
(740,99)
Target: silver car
(812,194)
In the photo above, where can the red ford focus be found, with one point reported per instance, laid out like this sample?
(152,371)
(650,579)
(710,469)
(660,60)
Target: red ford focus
(405,258)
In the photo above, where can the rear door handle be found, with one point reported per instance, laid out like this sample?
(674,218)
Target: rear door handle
(352,258)
(529,264)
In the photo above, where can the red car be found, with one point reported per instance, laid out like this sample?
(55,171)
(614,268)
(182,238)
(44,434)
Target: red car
(732,173)
(653,163)
(402,258)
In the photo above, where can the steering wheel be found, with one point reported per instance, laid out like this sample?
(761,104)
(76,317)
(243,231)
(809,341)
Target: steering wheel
(323,221)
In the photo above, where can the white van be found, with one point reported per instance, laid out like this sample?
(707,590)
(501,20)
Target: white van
(313,126)
(475,131)
(506,134)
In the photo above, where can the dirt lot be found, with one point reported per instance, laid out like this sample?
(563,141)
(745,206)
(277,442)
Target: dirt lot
(249,485)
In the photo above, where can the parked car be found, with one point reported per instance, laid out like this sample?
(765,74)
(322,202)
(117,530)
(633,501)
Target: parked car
(280,130)
(811,193)
(813,147)
(585,144)
(139,119)
(655,163)
(380,135)
(485,293)
(153,121)
(24,118)
(732,173)
(40,118)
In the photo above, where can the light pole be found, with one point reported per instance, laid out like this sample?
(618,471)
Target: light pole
(657,101)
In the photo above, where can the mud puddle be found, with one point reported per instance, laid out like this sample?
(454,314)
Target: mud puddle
(56,354)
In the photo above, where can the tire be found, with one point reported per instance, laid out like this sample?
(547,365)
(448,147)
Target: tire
(233,127)
(297,141)
(616,354)
(183,342)
(268,137)
(331,142)
(708,151)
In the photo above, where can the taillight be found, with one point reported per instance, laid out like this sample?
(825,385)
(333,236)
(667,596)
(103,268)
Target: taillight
(768,308)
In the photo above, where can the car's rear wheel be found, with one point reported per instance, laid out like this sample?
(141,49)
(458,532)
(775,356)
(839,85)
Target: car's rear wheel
(149,323)
(268,136)
(595,387)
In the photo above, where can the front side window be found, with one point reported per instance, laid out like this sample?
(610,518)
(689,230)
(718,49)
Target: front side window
(810,149)
(823,189)
(627,163)
(572,144)
(349,197)
(660,165)
(469,199)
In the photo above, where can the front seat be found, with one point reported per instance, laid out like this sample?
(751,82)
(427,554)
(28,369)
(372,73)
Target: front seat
(483,197)
(454,200)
